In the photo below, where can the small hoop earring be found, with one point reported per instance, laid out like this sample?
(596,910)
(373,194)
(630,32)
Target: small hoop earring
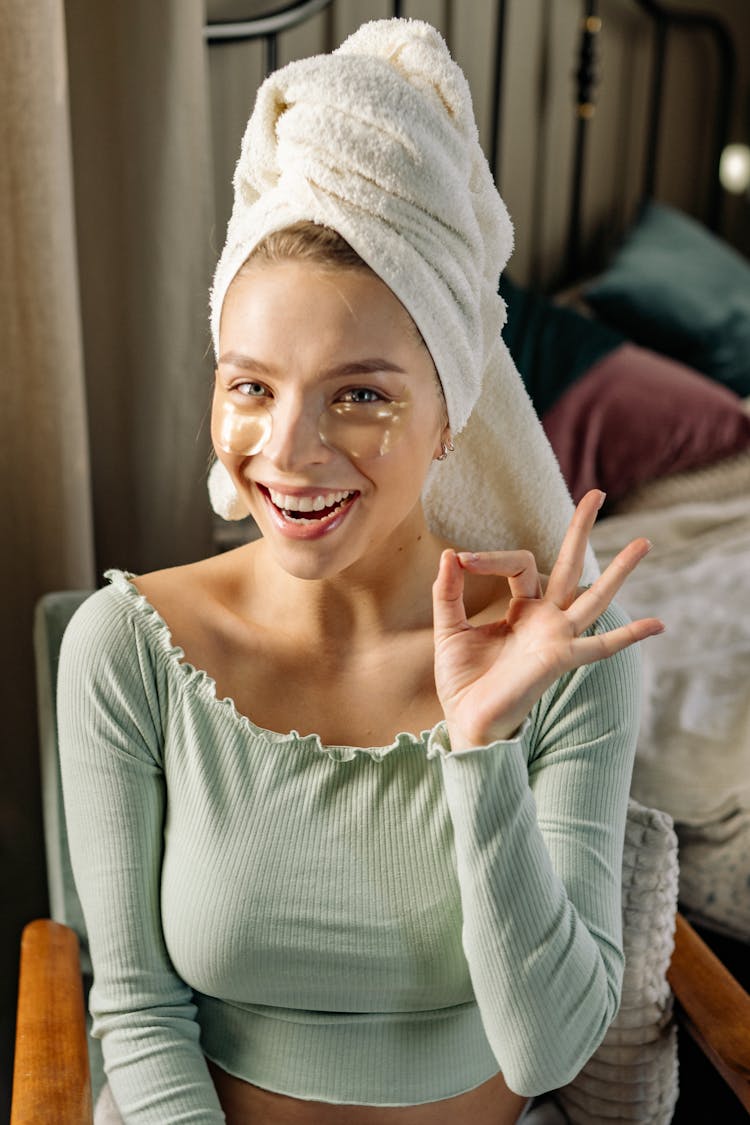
(446,447)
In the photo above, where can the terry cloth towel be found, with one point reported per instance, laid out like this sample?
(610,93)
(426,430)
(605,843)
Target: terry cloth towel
(378,141)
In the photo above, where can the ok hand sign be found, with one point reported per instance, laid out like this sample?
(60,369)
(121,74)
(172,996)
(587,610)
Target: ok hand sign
(489,676)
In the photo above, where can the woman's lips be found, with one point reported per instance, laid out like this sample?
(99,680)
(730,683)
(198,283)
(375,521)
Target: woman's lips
(307,525)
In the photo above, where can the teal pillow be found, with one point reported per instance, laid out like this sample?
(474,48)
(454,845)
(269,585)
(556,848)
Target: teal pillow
(551,346)
(678,289)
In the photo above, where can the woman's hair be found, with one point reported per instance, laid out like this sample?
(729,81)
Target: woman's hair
(307,242)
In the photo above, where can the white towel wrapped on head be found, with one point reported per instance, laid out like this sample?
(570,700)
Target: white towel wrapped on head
(378,141)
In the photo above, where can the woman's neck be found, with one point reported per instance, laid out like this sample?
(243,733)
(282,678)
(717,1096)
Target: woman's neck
(388,590)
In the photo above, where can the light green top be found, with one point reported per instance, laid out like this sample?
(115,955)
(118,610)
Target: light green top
(379,926)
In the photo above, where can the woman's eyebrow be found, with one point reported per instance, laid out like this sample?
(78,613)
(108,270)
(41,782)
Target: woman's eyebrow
(246,362)
(349,367)
(364,367)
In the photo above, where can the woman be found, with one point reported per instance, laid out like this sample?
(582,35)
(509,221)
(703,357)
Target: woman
(300,908)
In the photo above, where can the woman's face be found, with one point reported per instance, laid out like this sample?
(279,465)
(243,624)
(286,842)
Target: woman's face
(327,413)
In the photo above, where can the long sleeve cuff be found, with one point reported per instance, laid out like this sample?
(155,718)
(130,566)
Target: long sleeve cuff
(439,743)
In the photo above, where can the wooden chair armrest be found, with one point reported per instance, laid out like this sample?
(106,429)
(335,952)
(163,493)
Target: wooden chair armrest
(51,1081)
(715,1007)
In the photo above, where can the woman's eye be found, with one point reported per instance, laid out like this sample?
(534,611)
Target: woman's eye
(251,390)
(361,395)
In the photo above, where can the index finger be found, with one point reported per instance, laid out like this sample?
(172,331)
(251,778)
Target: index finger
(566,573)
(519,567)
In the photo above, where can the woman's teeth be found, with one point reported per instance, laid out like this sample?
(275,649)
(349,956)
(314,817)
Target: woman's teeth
(308,503)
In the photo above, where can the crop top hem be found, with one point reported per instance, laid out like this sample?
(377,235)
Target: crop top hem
(404,1054)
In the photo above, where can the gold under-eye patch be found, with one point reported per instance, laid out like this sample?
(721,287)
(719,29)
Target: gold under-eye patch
(242,430)
(361,430)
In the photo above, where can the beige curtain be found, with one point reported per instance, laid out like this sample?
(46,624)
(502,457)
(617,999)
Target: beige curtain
(106,251)
(142,160)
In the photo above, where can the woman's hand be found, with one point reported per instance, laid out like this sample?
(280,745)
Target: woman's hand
(489,677)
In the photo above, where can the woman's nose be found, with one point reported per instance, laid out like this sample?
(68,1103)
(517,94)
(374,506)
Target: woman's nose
(295,439)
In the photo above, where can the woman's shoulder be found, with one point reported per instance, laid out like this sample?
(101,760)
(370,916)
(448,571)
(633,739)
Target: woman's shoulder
(111,629)
(128,636)
(105,613)
(194,599)
(194,584)
(138,608)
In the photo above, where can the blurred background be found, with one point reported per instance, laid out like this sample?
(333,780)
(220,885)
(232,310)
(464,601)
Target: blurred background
(121,125)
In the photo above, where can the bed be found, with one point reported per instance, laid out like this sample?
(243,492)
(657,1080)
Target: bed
(641,375)
(635,348)
(672,450)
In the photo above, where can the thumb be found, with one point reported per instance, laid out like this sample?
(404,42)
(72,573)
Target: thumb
(449,614)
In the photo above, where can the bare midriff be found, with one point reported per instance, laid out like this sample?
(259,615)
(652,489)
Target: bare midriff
(492,1103)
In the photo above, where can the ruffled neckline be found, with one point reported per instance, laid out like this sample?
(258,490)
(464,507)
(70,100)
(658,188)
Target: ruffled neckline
(434,741)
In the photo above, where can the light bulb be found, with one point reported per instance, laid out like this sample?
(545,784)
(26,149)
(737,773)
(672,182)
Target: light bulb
(734,168)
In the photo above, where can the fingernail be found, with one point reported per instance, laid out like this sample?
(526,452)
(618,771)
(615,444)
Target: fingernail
(649,545)
(602,498)
(467,557)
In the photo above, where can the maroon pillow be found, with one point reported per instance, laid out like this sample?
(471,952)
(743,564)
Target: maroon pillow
(635,416)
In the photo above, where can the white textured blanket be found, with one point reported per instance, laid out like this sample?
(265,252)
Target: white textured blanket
(693,756)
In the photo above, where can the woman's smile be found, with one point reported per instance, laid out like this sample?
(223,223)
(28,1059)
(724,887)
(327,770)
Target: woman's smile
(308,515)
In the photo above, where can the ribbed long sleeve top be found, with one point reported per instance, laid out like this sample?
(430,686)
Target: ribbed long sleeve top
(384,926)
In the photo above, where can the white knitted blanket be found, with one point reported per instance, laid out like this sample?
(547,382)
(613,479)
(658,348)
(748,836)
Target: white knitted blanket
(693,756)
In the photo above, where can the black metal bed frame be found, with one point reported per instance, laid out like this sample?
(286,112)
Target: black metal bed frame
(664,20)
(268,28)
